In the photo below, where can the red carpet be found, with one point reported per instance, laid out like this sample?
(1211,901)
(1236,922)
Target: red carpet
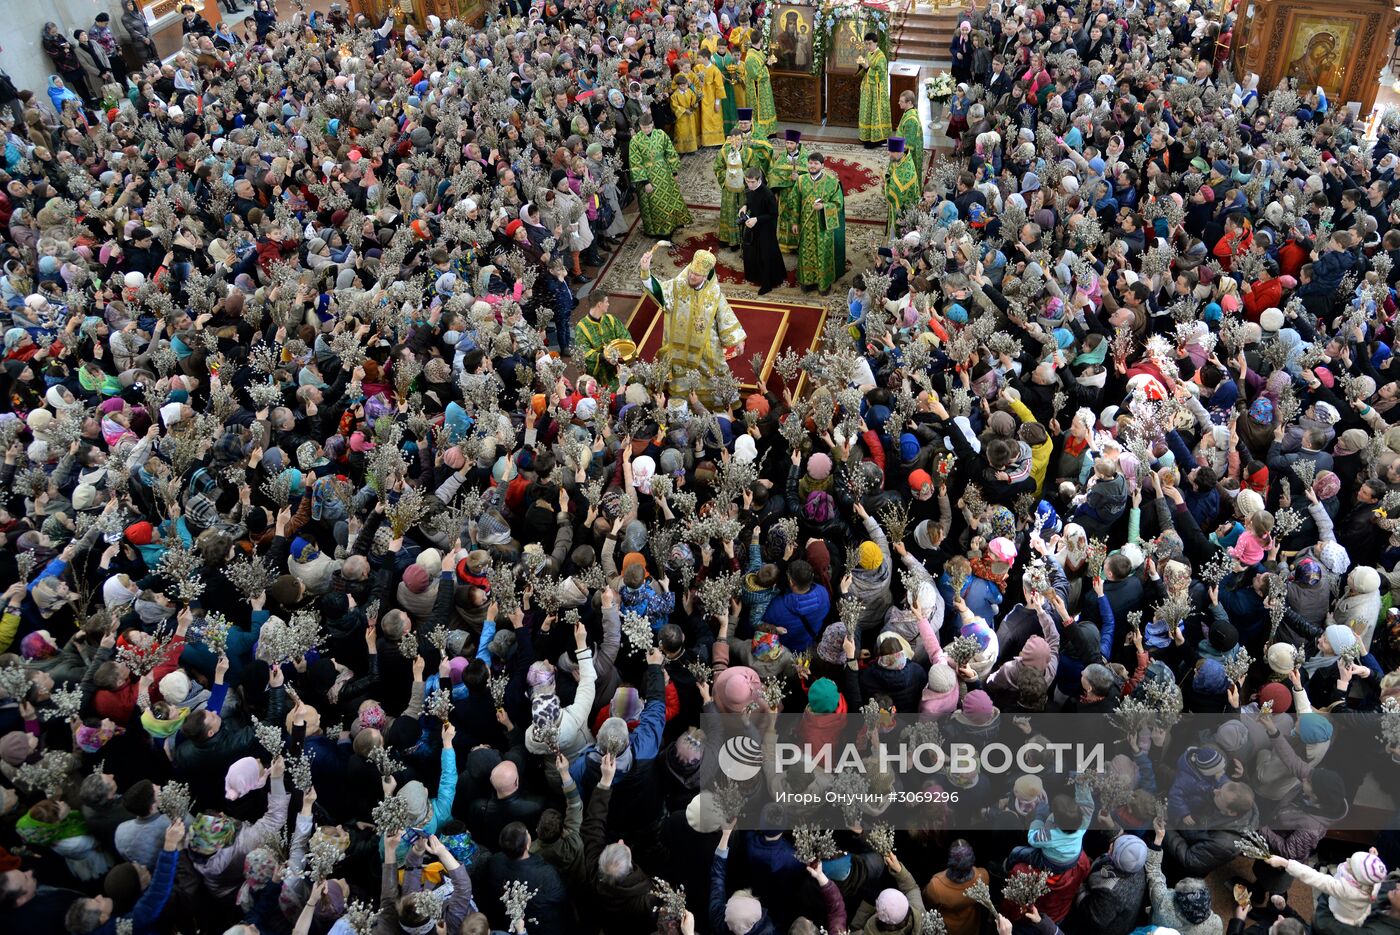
(771,327)
(854,177)
(729,262)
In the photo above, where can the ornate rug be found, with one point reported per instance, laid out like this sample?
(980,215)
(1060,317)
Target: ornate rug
(861,170)
(620,277)
(771,327)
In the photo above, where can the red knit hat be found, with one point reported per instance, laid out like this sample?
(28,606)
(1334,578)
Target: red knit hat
(416,579)
(512,227)
(142,533)
(1279,695)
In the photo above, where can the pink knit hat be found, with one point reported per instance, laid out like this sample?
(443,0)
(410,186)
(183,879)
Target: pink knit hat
(977,707)
(736,688)
(243,777)
(1036,653)
(1002,549)
(1366,869)
(891,906)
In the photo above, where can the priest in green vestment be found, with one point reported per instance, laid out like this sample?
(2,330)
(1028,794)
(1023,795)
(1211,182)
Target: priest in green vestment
(654,164)
(911,128)
(787,166)
(902,189)
(758,152)
(758,89)
(821,227)
(874,93)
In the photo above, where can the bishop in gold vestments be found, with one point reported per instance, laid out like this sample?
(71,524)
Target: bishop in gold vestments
(700,331)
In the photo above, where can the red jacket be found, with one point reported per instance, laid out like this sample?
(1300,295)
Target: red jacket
(271,252)
(1231,246)
(120,705)
(1064,885)
(1291,257)
(1266,294)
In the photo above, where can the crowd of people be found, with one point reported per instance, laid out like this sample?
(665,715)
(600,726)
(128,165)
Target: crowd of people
(352,561)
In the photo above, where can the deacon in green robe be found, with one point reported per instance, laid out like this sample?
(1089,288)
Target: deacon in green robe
(654,164)
(730,68)
(911,128)
(821,227)
(874,93)
(602,339)
(902,189)
(758,89)
(787,166)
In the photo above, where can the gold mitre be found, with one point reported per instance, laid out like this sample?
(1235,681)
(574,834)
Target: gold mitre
(701,263)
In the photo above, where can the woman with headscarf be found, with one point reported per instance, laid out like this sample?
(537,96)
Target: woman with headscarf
(1309,810)
(23,382)
(65,62)
(138,31)
(53,824)
(1360,606)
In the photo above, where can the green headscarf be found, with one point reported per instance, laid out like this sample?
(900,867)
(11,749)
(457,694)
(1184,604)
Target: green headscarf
(46,834)
(1095,356)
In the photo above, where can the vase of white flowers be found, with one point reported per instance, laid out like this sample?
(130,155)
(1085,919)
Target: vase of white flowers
(938,90)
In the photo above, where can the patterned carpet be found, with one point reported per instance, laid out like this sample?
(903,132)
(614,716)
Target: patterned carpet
(620,275)
(862,174)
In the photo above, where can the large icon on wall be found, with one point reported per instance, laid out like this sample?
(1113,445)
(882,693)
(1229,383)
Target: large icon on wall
(791,38)
(847,46)
(1318,54)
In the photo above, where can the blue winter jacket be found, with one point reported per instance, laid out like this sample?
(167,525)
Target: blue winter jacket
(801,615)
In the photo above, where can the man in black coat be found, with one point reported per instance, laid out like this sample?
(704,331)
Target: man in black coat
(489,813)
(548,908)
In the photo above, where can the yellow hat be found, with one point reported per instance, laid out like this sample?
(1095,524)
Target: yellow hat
(701,263)
(870,555)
